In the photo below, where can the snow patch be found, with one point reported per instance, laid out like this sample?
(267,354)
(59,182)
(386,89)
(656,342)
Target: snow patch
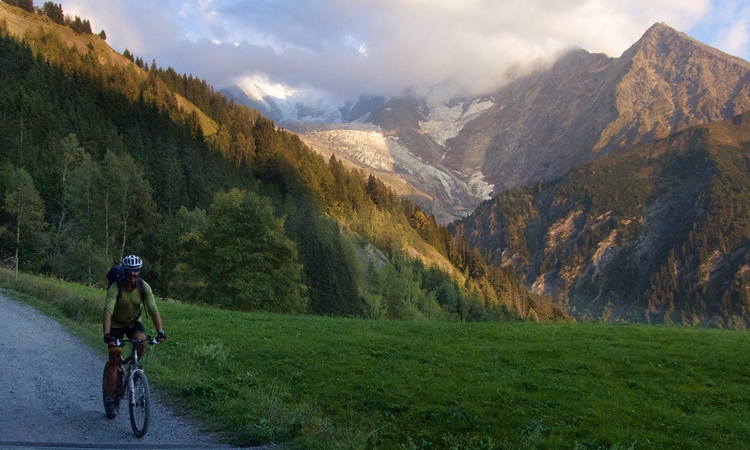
(480,188)
(370,148)
(446,121)
(366,145)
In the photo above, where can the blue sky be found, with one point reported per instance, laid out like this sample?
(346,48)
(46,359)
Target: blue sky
(386,47)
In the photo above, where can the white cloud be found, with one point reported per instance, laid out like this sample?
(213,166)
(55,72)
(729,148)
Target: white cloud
(259,86)
(736,38)
(375,46)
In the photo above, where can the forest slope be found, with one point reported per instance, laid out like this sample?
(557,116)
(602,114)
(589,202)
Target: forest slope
(103,159)
(20,23)
(659,234)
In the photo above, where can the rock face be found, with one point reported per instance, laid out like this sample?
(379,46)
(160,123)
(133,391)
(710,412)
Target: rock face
(658,233)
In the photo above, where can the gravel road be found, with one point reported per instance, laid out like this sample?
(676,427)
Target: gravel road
(50,393)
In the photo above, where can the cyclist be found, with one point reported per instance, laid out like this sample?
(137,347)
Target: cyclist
(122,317)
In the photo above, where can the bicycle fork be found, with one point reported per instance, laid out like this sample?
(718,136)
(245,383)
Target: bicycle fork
(131,386)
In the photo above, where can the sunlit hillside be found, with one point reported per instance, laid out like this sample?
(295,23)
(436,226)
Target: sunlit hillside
(110,156)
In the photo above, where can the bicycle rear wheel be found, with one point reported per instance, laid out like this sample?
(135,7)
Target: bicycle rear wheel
(140,399)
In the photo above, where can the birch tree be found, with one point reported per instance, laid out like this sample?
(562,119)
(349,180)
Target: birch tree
(24,204)
(127,198)
(63,235)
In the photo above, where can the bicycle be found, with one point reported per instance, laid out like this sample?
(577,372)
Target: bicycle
(132,381)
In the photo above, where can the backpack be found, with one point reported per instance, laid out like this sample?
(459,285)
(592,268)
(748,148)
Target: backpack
(115,275)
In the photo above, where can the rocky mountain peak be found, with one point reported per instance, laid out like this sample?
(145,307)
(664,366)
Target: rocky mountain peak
(661,33)
(587,106)
(662,41)
(668,82)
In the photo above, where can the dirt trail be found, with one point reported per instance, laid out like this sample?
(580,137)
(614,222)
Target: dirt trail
(50,392)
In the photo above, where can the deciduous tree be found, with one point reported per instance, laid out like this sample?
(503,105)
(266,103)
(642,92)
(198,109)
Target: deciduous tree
(244,259)
(25,205)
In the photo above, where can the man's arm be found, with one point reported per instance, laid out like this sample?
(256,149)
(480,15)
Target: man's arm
(107,322)
(153,311)
(157,322)
(106,328)
(109,308)
(160,336)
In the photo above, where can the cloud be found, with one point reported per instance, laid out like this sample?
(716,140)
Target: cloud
(735,37)
(373,46)
(726,26)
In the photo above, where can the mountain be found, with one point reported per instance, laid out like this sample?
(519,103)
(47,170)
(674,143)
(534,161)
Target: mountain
(239,96)
(660,233)
(386,138)
(582,107)
(587,106)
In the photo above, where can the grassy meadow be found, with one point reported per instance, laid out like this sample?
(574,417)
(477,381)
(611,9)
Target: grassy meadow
(322,383)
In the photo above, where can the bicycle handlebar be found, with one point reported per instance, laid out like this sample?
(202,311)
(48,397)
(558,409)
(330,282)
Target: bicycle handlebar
(150,340)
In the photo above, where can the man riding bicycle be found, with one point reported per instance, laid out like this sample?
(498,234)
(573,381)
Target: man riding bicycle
(122,317)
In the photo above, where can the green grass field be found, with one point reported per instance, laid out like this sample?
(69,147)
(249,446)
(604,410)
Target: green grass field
(321,383)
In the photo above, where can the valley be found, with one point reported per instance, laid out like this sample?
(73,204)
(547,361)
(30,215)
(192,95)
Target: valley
(602,182)
(415,272)
(200,178)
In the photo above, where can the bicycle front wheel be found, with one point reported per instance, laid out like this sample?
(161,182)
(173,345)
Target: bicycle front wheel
(140,399)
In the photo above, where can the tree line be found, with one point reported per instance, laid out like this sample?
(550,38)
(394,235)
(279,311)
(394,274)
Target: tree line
(55,12)
(224,207)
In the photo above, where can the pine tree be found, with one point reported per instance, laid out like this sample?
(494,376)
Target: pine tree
(26,5)
(54,12)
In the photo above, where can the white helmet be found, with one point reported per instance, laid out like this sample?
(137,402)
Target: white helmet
(132,262)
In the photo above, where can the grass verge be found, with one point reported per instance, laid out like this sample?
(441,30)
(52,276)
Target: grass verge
(322,383)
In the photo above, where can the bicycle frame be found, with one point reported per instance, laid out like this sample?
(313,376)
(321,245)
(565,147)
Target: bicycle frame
(131,370)
(130,364)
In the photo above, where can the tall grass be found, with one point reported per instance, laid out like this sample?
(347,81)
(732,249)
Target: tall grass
(322,383)
(70,302)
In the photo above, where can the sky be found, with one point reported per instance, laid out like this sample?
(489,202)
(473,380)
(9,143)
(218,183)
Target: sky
(344,48)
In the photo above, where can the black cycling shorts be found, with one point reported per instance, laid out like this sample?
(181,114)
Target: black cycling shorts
(130,330)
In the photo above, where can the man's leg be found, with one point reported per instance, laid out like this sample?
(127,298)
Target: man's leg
(110,381)
(138,333)
(140,348)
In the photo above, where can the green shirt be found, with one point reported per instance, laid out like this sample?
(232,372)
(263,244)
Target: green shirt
(125,311)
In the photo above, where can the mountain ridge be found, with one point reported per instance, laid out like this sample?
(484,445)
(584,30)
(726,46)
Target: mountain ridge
(662,84)
(581,107)
(21,23)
